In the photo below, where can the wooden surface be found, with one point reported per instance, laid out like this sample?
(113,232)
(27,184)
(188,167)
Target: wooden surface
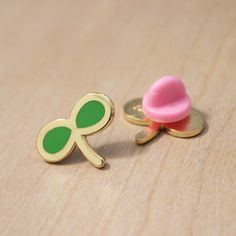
(53,52)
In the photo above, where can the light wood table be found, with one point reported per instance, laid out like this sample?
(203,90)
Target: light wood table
(54,52)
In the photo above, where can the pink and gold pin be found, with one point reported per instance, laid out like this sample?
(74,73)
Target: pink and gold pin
(166,106)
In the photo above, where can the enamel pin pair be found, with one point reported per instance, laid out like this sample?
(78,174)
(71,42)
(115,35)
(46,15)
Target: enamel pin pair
(166,106)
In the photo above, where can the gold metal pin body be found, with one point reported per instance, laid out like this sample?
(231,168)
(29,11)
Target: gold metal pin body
(91,114)
(189,127)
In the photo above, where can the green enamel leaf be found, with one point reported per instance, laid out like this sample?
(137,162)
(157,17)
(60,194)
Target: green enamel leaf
(56,139)
(90,114)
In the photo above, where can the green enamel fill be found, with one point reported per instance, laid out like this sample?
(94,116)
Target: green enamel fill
(56,139)
(90,114)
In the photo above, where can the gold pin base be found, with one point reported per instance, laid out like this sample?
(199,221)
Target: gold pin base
(189,127)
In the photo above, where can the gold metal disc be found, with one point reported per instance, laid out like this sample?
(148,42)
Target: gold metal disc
(188,127)
(133,112)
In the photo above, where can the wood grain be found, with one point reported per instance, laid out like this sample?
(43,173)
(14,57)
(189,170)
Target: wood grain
(53,52)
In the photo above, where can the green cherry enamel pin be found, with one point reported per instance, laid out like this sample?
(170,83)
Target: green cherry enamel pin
(91,114)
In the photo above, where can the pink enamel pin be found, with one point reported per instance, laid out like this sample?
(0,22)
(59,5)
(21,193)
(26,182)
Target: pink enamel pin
(166,106)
